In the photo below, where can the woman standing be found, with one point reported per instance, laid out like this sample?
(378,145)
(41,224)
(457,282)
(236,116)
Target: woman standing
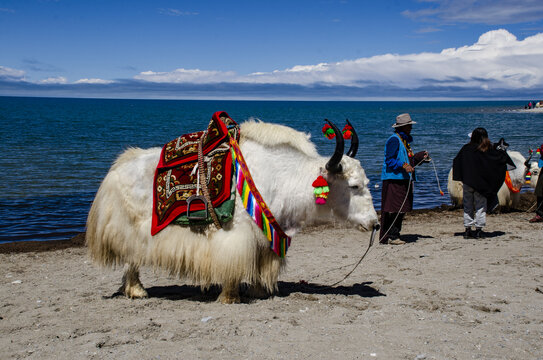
(481,169)
(398,175)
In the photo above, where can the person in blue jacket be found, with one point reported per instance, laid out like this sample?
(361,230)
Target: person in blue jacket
(398,175)
(539,191)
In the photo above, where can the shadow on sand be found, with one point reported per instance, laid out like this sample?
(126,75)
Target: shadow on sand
(194,293)
(363,290)
(411,238)
(486,235)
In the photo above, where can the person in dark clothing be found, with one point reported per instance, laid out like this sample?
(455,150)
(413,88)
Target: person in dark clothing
(539,191)
(481,168)
(398,175)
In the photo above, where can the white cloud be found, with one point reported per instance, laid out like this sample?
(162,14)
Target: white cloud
(498,63)
(176,12)
(14,74)
(54,80)
(491,12)
(497,60)
(187,76)
(93,81)
(429,29)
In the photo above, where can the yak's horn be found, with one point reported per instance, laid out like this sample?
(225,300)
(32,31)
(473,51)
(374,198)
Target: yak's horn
(333,165)
(354,142)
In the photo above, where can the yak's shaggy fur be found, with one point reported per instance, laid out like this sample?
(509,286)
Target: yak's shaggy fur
(283,163)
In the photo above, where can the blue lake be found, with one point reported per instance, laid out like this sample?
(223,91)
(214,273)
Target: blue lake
(55,152)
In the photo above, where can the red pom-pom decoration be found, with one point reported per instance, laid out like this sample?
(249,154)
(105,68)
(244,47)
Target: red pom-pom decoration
(328,131)
(320,181)
(347,132)
(321,190)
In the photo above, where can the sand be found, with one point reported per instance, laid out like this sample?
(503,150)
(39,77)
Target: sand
(440,296)
(535,110)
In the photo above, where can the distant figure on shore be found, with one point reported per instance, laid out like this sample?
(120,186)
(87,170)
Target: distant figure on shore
(534,105)
(481,167)
(539,191)
(398,176)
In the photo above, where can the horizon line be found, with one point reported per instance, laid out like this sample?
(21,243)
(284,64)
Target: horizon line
(289,99)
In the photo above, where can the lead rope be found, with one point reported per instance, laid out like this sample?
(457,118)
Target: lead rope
(203,182)
(375,228)
(437,178)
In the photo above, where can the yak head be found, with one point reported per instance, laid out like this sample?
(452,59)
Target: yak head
(349,198)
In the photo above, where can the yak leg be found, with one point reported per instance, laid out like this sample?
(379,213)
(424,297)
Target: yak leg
(132,287)
(258,291)
(269,267)
(229,293)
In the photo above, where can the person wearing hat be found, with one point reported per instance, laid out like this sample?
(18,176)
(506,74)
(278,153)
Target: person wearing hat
(398,175)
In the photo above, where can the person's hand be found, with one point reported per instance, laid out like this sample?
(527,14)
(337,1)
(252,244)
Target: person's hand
(408,168)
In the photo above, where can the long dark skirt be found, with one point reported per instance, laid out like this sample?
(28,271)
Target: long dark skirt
(539,194)
(396,200)
(393,195)
(538,191)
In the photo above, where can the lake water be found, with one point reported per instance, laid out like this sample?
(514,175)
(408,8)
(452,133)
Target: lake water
(55,152)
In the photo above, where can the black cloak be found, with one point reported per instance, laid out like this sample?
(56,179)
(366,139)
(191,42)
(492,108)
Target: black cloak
(483,171)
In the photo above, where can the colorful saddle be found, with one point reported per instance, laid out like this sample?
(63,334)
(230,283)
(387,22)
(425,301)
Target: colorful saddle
(176,177)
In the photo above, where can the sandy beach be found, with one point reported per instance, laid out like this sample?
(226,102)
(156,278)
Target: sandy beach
(440,296)
(535,110)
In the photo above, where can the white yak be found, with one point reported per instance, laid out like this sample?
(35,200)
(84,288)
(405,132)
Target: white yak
(534,171)
(506,197)
(283,163)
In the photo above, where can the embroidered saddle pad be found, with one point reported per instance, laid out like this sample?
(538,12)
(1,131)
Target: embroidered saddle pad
(176,177)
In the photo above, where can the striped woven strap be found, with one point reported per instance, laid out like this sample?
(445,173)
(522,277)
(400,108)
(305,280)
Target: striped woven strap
(255,204)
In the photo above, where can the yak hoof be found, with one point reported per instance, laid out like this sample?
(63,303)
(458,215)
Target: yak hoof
(257,292)
(229,294)
(135,292)
(228,299)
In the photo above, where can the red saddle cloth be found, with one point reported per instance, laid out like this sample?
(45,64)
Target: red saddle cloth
(175,181)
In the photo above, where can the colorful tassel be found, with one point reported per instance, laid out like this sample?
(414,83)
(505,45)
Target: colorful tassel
(255,205)
(510,185)
(321,190)
(328,131)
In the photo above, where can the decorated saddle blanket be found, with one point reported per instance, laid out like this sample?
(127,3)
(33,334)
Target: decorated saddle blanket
(176,177)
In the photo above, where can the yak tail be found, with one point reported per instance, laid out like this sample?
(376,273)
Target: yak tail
(95,235)
(106,242)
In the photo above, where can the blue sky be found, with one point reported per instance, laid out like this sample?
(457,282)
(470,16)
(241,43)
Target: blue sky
(329,49)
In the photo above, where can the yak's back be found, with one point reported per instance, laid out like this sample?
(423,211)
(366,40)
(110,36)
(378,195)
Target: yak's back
(270,135)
